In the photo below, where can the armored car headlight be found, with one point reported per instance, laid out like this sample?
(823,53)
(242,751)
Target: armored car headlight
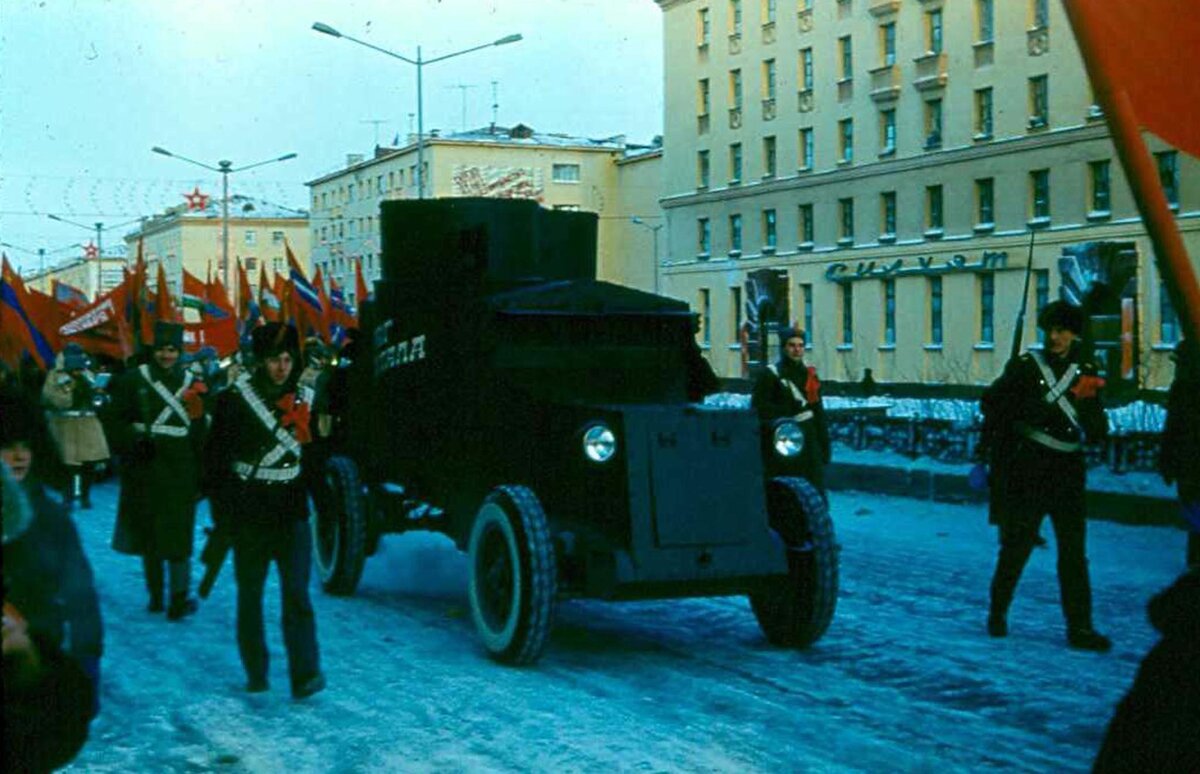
(788,438)
(599,443)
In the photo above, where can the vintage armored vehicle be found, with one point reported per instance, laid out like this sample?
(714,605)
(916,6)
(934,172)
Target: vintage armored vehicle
(548,423)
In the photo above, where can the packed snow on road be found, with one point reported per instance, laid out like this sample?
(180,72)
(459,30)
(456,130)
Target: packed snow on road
(905,680)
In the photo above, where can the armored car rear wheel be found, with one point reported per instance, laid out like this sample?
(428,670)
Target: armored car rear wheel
(796,609)
(340,528)
(513,575)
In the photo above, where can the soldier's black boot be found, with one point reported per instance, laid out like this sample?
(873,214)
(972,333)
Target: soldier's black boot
(997,624)
(152,568)
(1088,639)
(257,685)
(306,688)
(181,606)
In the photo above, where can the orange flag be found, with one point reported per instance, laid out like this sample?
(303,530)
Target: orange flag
(21,329)
(360,290)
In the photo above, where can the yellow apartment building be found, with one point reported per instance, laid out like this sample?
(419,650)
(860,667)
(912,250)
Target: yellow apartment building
(182,238)
(93,275)
(887,161)
(610,177)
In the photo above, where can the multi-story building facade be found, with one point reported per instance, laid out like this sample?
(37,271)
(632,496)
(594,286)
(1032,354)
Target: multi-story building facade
(616,180)
(183,238)
(93,275)
(890,159)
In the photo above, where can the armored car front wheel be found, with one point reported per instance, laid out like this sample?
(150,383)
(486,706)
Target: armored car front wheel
(340,528)
(513,575)
(796,609)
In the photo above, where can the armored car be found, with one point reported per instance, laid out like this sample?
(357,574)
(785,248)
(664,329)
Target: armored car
(553,426)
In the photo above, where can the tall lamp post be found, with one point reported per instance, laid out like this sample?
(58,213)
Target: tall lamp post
(226,168)
(99,227)
(655,228)
(419,63)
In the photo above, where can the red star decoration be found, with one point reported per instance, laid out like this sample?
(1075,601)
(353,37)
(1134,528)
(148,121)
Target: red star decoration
(91,251)
(196,200)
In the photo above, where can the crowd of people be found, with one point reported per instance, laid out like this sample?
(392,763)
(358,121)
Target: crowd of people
(252,434)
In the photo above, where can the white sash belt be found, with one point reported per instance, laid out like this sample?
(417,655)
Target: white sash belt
(1050,442)
(157,429)
(245,470)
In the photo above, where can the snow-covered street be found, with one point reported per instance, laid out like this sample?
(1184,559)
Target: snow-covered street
(905,680)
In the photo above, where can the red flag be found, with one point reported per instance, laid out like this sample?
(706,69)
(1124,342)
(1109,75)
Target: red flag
(360,290)
(1138,56)
(164,305)
(218,306)
(282,291)
(326,316)
(195,292)
(20,323)
(71,296)
(269,302)
(221,335)
(102,328)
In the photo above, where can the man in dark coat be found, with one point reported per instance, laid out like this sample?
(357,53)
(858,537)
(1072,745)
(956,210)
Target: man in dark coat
(1179,457)
(791,389)
(46,573)
(156,423)
(253,475)
(1157,725)
(1036,416)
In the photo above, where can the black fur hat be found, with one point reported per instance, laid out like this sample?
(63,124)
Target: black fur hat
(1061,314)
(791,333)
(273,338)
(168,334)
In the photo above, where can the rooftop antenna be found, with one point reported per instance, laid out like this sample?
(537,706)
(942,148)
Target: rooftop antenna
(462,87)
(376,122)
(495,106)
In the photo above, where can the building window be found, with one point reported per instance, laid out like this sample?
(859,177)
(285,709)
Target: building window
(1168,320)
(768,11)
(768,229)
(887,43)
(983,113)
(768,157)
(735,17)
(277,265)
(933,124)
(935,310)
(933,202)
(887,132)
(735,89)
(1041,13)
(847,314)
(1101,194)
(987,308)
(1168,175)
(768,74)
(933,31)
(887,202)
(703,97)
(806,293)
(703,236)
(565,173)
(806,69)
(1039,101)
(735,233)
(251,263)
(703,27)
(1039,183)
(985,19)
(276,237)
(847,57)
(1041,284)
(702,169)
(985,214)
(735,163)
(806,224)
(735,300)
(846,140)
(846,211)
(806,148)
(705,318)
(889,312)
(251,237)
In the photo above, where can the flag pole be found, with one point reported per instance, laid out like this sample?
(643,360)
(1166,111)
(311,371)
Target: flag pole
(1169,252)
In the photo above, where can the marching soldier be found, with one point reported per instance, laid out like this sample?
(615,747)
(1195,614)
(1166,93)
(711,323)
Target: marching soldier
(157,424)
(254,480)
(789,388)
(1037,416)
(67,394)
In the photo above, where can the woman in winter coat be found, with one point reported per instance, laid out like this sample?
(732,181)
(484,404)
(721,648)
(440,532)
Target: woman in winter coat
(67,395)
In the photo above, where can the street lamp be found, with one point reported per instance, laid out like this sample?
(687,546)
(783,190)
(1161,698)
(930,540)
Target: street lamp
(655,229)
(419,63)
(98,226)
(226,169)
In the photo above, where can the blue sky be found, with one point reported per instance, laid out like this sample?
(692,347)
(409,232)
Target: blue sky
(87,87)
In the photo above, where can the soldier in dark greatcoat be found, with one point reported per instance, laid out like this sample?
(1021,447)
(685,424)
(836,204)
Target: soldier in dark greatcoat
(253,475)
(790,388)
(157,424)
(1036,417)
(1179,460)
